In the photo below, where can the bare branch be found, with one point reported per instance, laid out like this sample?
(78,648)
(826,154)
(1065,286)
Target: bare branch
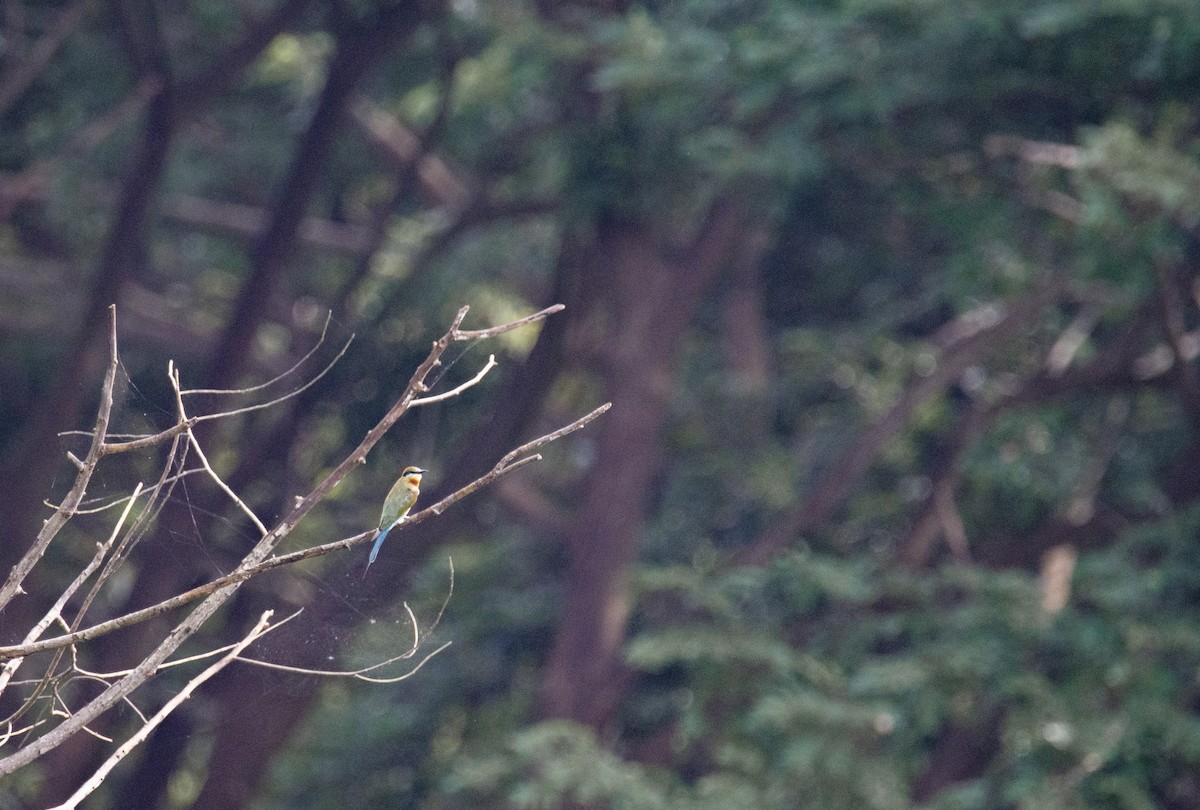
(491,364)
(260,629)
(356,675)
(402,147)
(55,522)
(115,502)
(259,559)
(56,609)
(186,423)
(480,334)
(280,399)
(233,496)
(152,440)
(504,466)
(105,677)
(361,674)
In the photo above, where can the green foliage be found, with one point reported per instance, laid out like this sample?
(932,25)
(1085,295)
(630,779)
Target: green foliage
(570,767)
(882,148)
(1089,707)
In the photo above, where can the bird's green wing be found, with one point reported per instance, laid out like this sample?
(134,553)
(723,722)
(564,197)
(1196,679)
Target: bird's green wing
(396,505)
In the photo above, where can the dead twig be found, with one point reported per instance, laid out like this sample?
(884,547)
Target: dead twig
(260,558)
(506,465)
(97,778)
(53,524)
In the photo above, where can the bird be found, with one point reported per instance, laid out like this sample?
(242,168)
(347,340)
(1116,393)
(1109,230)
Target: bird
(399,500)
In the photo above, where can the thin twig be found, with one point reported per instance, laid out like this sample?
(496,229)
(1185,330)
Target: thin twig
(105,677)
(115,502)
(491,364)
(280,399)
(55,610)
(409,653)
(361,673)
(56,521)
(195,443)
(277,378)
(355,675)
(480,334)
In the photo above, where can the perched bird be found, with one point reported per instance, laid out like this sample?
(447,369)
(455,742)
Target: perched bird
(399,500)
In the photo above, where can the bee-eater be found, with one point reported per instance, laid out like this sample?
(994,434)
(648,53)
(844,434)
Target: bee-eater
(399,500)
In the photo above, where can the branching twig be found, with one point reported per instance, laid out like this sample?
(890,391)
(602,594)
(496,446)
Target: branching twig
(491,364)
(105,677)
(272,402)
(277,378)
(233,496)
(66,510)
(504,466)
(260,629)
(361,673)
(55,612)
(259,559)
(357,674)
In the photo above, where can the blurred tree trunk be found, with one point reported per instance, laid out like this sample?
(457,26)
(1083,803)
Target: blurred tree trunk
(963,751)
(160,572)
(26,478)
(27,481)
(651,301)
(747,338)
(27,473)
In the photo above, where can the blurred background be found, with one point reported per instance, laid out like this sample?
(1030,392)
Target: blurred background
(896,303)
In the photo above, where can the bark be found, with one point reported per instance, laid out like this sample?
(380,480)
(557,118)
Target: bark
(962,752)
(653,301)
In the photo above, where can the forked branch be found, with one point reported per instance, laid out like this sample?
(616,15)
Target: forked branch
(261,557)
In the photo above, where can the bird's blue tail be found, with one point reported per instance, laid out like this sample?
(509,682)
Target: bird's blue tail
(375,548)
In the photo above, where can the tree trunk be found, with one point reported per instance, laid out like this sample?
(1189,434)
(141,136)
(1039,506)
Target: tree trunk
(653,301)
